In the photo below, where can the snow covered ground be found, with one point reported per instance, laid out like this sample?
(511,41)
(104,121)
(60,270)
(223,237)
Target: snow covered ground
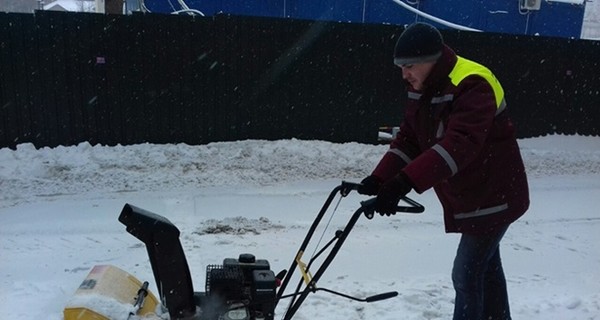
(59,209)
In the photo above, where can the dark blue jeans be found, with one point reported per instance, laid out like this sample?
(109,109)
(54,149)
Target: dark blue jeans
(479,279)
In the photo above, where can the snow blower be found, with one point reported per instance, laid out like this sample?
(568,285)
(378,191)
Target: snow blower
(243,288)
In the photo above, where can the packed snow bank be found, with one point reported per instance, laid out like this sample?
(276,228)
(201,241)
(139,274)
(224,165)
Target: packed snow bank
(149,167)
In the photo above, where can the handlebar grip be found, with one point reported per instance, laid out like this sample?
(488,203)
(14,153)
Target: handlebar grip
(368,207)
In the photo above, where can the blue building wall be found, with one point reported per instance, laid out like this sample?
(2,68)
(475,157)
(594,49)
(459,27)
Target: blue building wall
(502,16)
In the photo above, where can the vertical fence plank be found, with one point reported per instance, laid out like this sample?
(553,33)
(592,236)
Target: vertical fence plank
(201,79)
(48,89)
(130,45)
(77,75)
(87,66)
(101,63)
(21,108)
(115,90)
(7,96)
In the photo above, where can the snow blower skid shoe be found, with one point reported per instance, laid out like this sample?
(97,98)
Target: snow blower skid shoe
(243,289)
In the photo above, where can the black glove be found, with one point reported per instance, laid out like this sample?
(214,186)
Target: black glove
(390,194)
(369,186)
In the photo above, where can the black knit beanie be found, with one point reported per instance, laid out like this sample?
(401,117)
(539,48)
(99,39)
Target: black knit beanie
(420,42)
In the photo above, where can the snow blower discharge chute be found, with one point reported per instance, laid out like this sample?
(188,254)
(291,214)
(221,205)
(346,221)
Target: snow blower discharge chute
(243,288)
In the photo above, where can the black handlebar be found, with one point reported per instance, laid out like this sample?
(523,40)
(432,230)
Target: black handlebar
(368,206)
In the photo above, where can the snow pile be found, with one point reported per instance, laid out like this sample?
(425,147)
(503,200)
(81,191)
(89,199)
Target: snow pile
(147,167)
(561,155)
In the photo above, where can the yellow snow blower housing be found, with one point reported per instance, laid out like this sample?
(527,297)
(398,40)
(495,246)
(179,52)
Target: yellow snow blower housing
(110,293)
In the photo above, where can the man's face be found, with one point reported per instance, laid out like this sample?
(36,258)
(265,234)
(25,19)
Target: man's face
(416,74)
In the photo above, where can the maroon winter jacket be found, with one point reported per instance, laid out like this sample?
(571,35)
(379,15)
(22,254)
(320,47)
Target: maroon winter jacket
(456,137)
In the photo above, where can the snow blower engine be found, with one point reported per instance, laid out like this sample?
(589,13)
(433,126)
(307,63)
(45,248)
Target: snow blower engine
(242,288)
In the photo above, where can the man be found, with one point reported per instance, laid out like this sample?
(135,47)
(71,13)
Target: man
(457,138)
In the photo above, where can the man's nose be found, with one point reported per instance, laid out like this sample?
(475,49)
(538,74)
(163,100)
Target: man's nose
(405,73)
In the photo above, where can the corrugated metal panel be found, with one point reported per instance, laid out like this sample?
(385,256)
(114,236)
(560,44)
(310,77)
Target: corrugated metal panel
(553,19)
